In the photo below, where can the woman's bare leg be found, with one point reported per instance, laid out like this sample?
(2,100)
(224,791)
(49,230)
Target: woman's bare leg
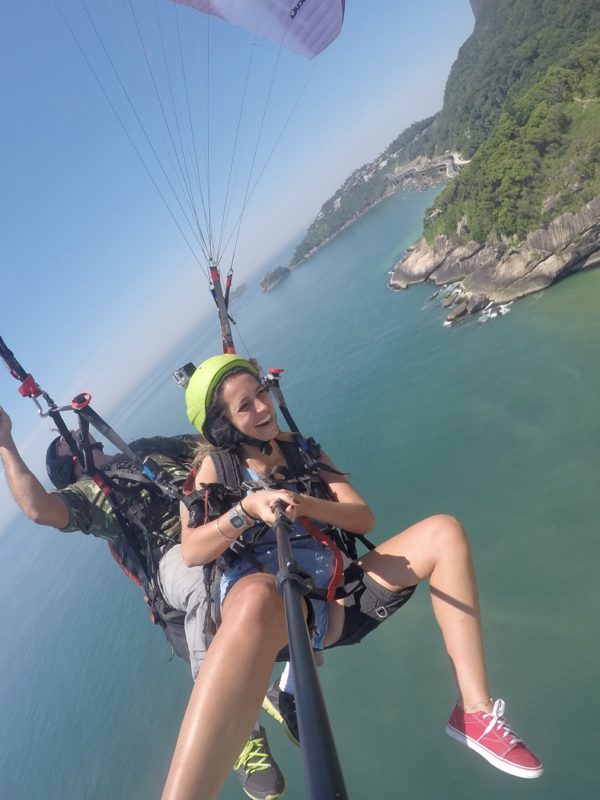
(227,697)
(437,548)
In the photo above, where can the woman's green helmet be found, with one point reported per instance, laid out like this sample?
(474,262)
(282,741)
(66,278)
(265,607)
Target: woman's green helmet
(203,384)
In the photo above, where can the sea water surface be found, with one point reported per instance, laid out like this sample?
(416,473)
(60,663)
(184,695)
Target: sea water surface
(497,424)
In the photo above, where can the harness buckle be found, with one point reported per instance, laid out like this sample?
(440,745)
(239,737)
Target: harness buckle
(253,486)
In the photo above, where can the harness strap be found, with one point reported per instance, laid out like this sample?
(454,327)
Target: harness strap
(188,486)
(300,466)
(326,541)
(228,470)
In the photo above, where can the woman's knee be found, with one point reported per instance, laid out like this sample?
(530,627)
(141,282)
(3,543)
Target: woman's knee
(448,532)
(255,602)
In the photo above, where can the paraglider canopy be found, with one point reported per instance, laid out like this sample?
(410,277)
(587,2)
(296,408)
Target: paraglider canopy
(304,26)
(204,112)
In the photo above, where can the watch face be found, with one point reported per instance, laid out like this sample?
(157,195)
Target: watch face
(236,520)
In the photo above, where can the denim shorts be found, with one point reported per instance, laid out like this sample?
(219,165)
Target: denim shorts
(367,604)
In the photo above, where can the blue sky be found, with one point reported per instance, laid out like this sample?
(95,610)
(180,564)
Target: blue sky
(88,248)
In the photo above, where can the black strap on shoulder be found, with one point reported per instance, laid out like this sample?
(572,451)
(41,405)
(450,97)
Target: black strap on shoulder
(294,459)
(227,466)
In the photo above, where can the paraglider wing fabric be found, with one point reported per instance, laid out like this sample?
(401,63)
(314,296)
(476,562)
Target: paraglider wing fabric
(304,26)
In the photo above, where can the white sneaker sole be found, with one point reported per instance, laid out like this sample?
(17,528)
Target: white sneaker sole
(495,761)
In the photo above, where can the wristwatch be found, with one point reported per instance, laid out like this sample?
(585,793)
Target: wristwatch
(238,519)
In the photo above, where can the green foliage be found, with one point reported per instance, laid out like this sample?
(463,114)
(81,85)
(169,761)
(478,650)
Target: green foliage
(514,43)
(541,157)
(521,101)
(418,139)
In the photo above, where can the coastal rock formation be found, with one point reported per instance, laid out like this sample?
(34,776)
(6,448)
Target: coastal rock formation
(274,278)
(238,292)
(499,271)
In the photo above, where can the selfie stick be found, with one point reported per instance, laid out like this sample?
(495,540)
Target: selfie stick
(321,764)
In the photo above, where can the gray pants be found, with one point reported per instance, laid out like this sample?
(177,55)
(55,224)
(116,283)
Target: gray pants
(183,589)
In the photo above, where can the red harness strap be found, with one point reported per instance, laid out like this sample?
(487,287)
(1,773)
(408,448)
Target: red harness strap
(188,486)
(326,541)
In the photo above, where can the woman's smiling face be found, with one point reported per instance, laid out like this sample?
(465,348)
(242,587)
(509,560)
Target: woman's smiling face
(248,407)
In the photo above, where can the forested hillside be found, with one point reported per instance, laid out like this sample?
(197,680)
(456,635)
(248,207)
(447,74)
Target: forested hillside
(513,44)
(520,101)
(541,158)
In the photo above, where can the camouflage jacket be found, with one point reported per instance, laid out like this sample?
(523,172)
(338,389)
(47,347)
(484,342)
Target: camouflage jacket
(91,512)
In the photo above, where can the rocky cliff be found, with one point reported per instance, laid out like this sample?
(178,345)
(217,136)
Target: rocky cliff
(476,6)
(499,272)
(274,278)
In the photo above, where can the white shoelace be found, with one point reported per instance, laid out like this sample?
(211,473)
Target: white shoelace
(497,721)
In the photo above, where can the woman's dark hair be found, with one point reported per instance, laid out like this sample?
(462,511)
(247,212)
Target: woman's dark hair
(217,429)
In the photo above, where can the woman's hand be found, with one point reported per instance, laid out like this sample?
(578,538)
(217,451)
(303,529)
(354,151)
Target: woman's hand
(262,504)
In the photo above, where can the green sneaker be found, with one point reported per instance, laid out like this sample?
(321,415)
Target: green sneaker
(259,775)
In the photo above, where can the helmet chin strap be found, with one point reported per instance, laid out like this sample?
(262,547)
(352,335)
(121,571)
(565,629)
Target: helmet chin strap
(265,448)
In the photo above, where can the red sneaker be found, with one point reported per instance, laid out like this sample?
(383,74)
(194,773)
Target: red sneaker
(489,735)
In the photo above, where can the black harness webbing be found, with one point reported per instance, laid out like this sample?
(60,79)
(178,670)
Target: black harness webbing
(299,466)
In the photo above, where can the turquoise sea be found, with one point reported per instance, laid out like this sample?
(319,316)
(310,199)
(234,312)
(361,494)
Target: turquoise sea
(497,424)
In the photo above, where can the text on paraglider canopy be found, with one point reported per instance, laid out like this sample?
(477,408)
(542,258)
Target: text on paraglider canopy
(296,8)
